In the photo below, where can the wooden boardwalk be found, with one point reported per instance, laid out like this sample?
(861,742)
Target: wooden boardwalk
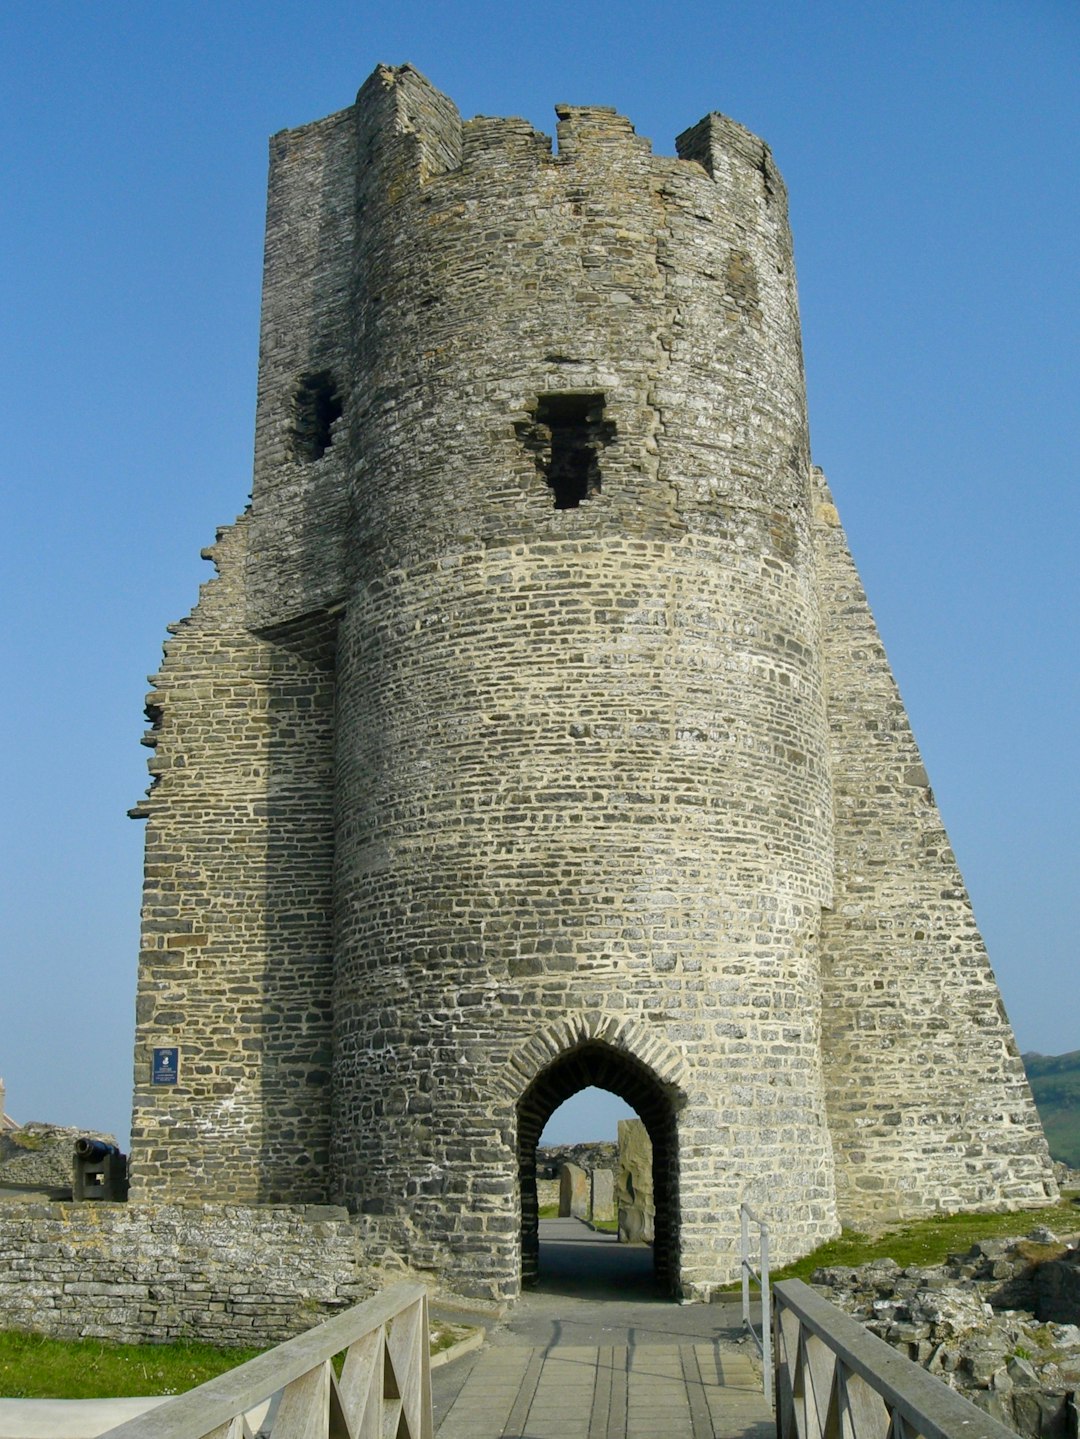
(649,1391)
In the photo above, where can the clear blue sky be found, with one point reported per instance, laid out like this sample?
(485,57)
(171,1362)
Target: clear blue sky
(931,153)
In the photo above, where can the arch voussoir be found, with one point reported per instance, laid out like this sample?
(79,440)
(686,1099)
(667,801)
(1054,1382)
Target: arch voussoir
(555,1041)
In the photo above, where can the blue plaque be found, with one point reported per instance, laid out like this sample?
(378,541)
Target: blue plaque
(166,1065)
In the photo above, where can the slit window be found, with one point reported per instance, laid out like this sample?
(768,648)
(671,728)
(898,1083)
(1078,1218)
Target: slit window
(316,408)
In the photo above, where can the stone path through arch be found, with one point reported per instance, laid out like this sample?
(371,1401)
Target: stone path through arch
(595,1352)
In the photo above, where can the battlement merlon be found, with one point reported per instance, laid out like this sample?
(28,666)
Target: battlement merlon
(719,144)
(400,103)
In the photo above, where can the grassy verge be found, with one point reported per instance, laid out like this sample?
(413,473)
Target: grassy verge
(609,1226)
(34,1367)
(931,1241)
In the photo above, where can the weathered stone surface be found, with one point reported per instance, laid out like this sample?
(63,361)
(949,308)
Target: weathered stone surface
(634,1184)
(573,1192)
(535,731)
(590,1155)
(547,1194)
(226,1273)
(602,1194)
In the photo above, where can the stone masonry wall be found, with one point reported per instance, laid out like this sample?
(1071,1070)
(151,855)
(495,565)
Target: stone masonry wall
(929,1106)
(224,1273)
(236,950)
(581,751)
(296,562)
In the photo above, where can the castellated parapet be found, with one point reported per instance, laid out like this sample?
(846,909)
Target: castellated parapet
(535,732)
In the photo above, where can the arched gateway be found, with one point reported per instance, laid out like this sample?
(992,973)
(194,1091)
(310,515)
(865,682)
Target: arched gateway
(536,684)
(595,1062)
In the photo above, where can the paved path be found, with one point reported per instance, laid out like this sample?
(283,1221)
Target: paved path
(595,1352)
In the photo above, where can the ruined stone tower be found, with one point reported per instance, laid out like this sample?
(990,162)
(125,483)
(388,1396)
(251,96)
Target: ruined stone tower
(535,732)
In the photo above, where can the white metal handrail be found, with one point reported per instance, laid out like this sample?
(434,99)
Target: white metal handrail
(384,1388)
(836,1380)
(760,1277)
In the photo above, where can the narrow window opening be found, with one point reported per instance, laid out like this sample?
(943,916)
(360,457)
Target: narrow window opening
(316,408)
(566,437)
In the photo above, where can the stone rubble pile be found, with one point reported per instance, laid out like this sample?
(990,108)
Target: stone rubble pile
(590,1155)
(1000,1323)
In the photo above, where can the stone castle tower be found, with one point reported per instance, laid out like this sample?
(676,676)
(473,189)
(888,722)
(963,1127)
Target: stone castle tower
(535,732)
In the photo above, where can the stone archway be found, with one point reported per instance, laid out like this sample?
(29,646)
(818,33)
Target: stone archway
(593,1061)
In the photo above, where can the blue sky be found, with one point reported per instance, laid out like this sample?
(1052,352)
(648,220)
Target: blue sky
(931,154)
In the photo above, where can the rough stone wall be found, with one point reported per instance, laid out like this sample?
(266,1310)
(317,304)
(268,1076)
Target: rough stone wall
(226,1273)
(547,1193)
(39,1159)
(590,1154)
(929,1106)
(236,950)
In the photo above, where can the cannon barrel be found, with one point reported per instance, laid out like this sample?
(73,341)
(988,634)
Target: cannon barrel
(88,1148)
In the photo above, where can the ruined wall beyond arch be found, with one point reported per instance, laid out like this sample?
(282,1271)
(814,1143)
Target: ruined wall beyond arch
(532,689)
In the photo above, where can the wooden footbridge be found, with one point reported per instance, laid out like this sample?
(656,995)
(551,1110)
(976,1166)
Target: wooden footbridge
(829,1379)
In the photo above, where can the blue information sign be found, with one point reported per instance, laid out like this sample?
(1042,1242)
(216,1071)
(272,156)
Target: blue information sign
(166,1065)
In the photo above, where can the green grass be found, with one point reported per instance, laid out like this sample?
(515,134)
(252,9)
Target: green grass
(931,1241)
(1055,1083)
(25,1139)
(609,1226)
(444,1335)
(34,1367)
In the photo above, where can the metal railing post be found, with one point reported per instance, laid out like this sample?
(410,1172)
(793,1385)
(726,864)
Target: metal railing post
(766,1314)
(764,1340)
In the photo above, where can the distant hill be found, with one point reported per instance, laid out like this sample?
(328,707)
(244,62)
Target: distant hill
(1055,1083)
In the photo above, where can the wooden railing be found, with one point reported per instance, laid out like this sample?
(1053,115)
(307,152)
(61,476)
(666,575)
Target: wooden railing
(384,1388)
(836,1380)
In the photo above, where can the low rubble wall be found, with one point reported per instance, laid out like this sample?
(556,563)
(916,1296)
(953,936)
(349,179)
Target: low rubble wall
(230,1274)
(1000,1323)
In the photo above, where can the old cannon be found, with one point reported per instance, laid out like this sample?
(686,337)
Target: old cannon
(100,1170)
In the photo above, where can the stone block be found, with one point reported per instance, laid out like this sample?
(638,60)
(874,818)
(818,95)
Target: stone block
(602,1202)
(573,1192)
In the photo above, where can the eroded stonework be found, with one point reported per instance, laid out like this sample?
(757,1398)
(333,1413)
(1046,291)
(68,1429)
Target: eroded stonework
(535,731)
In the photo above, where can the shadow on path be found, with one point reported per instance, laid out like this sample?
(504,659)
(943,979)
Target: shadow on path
(593,1290)
(578,1262)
